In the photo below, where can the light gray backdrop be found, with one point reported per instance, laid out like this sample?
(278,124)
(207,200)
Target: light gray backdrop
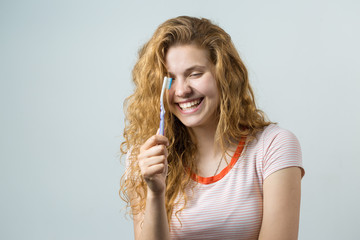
(65,70)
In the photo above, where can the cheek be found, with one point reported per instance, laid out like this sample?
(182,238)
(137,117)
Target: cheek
(209,88)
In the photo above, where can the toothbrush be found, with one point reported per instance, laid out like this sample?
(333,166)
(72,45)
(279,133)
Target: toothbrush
(166,84)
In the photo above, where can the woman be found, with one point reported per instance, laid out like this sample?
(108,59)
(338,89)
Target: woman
(222,171)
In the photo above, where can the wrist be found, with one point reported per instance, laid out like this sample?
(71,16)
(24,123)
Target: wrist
(155,195)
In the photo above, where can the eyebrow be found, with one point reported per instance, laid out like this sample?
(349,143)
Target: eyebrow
(190,69)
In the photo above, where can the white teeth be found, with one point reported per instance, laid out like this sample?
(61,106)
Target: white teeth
(188,105)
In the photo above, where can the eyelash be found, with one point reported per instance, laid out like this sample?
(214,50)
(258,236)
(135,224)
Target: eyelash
(190,75)
(195,74)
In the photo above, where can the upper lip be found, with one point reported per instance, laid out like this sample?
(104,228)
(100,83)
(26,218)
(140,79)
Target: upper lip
(189,100)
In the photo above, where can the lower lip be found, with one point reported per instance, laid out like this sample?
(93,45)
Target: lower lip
(192,110)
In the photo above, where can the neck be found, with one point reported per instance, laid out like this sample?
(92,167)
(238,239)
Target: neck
(206,147)
(205,139)
(209,155)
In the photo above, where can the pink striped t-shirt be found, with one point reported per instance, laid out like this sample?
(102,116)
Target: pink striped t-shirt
(230,204)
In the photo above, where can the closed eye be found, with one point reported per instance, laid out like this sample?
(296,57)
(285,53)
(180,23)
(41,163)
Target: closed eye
(197,74)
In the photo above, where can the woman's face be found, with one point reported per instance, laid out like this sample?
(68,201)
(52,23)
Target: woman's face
(193,96)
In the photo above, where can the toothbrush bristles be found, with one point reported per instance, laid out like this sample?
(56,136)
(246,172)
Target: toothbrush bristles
(169,81)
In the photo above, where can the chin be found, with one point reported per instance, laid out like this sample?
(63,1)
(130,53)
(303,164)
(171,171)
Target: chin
(191,123)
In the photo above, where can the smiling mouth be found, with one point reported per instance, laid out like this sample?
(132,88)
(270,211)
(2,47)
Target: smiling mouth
(190,105)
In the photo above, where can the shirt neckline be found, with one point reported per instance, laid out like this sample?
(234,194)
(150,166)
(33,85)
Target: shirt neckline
(220,175)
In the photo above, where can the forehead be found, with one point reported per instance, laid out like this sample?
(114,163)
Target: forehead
(182,57)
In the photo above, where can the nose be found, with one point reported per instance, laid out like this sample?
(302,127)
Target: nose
(182,88)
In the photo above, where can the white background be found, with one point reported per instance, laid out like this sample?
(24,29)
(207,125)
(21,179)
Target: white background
(65,70)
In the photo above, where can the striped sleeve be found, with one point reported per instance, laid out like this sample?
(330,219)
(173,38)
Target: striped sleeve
(281,149)
(129,161)
(127,165)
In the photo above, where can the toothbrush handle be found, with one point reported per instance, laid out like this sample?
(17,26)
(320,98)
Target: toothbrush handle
(162,122)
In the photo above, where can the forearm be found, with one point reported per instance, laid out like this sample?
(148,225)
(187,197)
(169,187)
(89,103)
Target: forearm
(155,225)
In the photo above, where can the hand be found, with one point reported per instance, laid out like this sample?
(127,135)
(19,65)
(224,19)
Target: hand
(153,163)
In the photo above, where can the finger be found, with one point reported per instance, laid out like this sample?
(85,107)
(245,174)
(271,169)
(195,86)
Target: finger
(148,162)
(157,150)
(154,140)
(166,153)
(153,170)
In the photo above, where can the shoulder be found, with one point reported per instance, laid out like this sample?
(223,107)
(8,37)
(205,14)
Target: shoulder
(280,149)
(274,137)
(275,132)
